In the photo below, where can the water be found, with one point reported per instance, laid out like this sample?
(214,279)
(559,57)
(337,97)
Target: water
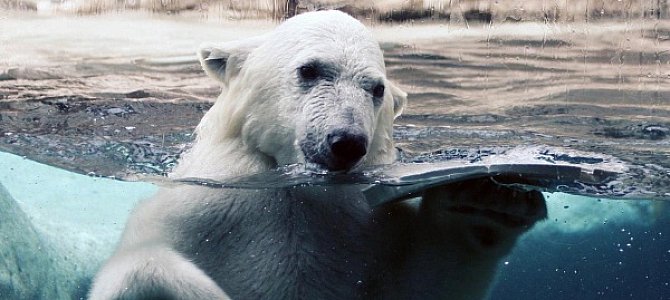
(586,95)
(588,255)
(587,247)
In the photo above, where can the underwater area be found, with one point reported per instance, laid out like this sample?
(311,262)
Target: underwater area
(98,100)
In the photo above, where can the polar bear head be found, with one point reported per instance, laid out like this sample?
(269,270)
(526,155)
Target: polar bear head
(312,91)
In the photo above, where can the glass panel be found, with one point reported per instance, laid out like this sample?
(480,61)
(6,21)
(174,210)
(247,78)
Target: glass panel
(99,102)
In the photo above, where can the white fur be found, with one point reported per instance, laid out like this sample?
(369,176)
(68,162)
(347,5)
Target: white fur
(192,242)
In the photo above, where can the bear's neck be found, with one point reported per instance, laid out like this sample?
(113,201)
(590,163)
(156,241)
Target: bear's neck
(225,159)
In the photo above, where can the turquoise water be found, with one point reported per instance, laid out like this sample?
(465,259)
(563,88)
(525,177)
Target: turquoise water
(69,224)
(592,248)
(586,248)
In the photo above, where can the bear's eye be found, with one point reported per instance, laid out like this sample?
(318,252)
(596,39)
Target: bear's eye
(308,72)
(378,91)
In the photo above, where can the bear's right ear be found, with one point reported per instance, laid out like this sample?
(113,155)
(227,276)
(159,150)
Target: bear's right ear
(399,98)
(223,62)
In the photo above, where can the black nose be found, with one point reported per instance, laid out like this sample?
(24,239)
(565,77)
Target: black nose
(347,148)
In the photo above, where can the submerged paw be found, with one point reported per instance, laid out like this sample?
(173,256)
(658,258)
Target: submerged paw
(488,199)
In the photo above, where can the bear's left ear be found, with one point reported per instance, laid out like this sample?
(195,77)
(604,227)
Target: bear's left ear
(399,98)
(223,62)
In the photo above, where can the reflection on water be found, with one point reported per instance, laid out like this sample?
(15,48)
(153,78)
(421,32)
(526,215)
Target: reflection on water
(598,88)
(592,96)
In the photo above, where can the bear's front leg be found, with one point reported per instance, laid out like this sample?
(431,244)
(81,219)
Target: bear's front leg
(154,272)
(462,232)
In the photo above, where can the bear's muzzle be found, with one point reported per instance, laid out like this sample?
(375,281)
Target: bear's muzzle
(347,148)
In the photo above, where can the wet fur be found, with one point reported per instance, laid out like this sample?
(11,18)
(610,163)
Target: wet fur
(191,242)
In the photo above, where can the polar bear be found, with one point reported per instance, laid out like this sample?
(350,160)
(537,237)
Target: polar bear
(312,92)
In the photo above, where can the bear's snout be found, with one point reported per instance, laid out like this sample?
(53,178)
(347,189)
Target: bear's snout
(338,149)
(347,148)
